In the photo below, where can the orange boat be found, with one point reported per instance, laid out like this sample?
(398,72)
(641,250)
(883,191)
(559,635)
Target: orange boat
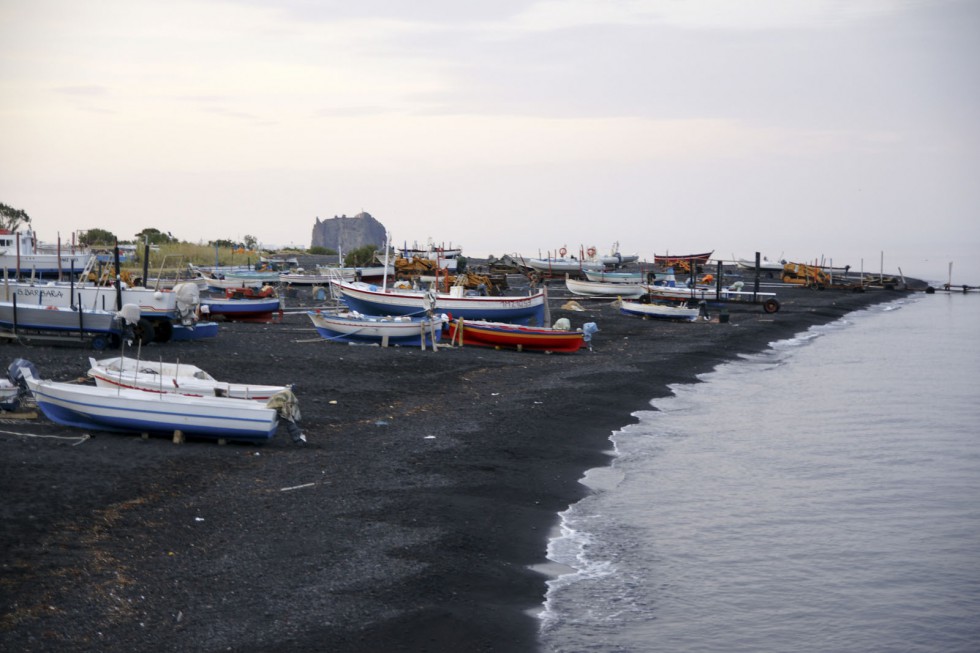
(515,336)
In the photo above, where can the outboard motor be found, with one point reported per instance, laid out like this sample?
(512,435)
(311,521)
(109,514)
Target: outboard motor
(15,372)
(589,329)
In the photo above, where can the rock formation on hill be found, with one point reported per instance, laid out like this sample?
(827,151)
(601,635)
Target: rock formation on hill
(345,234)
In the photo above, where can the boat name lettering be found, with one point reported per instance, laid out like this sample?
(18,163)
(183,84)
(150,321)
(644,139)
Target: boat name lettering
(43,292)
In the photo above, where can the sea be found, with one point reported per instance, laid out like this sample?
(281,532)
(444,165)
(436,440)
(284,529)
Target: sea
(823,495)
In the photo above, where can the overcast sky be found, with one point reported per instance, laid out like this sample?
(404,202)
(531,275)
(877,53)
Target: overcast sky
(803,129)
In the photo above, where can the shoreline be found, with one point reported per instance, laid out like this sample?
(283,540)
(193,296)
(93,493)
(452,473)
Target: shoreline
(436,480)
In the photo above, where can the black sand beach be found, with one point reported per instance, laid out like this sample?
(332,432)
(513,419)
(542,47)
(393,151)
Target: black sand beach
(409,523)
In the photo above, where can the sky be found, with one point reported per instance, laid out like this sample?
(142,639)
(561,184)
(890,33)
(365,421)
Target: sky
(843,130)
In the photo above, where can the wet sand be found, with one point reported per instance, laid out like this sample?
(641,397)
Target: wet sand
(411,522)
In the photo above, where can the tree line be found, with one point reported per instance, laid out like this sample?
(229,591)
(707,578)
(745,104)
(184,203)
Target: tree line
(13,219)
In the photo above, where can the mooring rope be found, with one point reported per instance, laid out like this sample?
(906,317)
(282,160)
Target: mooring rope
(80,438)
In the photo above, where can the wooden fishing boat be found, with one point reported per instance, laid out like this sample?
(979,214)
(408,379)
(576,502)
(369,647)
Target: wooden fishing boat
(136,411)
(603,288)
(683,259)
(513,336)
(372,300)
(179,378)
(660,311)
(384,330)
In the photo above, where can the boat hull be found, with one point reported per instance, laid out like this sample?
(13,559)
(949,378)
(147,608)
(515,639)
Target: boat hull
(511,336)
(197,331)
(660,311)
(401,331)
(562,265)
(134,411)
(371,300)
(242,309)
(603,288)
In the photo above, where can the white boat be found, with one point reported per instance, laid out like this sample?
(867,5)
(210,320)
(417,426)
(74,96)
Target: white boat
(22,255)
(102,328)
(159,309)
(561,265)
(220,282)
(674,292)
(372,300)
(615,258)
(635,276)
(356,273)
(603,288)
(765,265)
(136,411)
(178,378)
(660,311)
(395,330)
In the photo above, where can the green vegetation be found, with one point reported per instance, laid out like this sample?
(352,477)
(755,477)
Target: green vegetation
(360,257)
(11,218)
(97,237)
(155,237)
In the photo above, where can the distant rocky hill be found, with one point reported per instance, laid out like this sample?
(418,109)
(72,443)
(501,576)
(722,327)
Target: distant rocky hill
(346,234)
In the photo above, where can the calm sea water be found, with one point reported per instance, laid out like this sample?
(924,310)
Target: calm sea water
(821,496)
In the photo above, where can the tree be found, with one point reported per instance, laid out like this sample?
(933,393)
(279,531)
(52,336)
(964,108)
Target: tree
(223,242)
(320,250)
(97,237)
(251,242)
(155,237)
(11,218)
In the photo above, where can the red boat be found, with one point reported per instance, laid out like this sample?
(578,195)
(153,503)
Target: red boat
(667,261)
(515,336)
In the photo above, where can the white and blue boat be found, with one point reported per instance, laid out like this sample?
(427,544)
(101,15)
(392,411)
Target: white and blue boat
(390,329)
(136,411)
(372,300)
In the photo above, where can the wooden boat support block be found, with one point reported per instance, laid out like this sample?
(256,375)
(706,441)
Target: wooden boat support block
(222,441)
(178,437)
(384,341)
(23,414)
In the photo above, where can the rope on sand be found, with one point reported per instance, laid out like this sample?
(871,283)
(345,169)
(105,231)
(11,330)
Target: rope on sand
(80,438)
